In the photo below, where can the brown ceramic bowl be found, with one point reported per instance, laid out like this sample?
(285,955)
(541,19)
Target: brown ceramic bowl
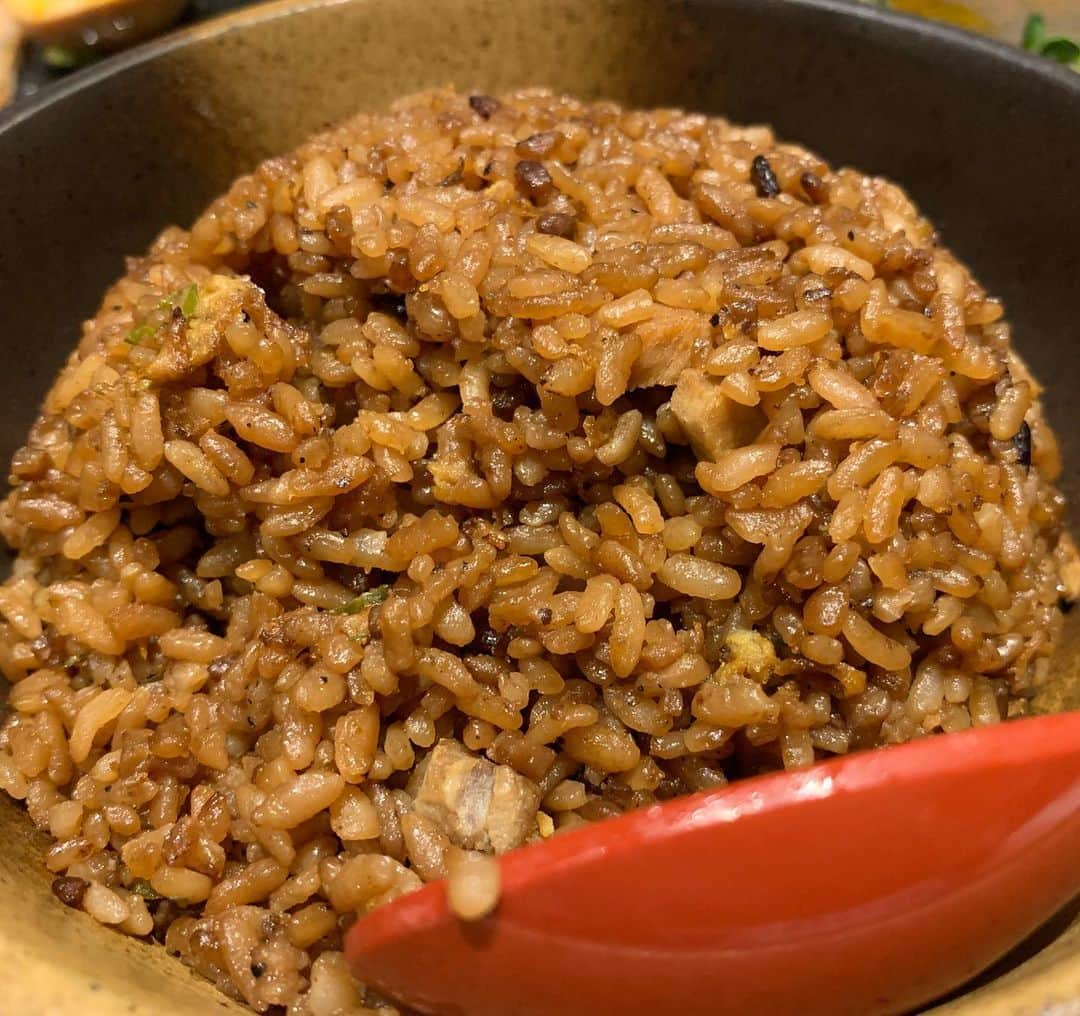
(983,136)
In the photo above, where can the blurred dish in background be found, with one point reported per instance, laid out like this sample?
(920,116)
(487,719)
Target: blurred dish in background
(93,25)
(56,36)
(70,33)
(82,29)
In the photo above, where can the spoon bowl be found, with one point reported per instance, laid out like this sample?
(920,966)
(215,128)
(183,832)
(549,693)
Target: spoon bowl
(870,884)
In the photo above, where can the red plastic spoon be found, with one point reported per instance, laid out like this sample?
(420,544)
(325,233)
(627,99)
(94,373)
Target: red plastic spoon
(865,885)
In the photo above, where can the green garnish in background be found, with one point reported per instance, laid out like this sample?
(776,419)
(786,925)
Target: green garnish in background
(1064,51)
(1058,48)
(64,58)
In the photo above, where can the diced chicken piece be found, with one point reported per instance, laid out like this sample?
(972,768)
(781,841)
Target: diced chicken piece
(747,654)
(480,805)
(221,301)
(667,346)
(713,422)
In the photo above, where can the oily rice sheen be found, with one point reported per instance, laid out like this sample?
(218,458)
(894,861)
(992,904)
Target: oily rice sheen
(489,467)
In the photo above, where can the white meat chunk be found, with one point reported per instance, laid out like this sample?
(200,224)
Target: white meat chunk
(668,341)
(480,805)
(713,422)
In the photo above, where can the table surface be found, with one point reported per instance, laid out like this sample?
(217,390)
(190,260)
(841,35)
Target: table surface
(1001,18)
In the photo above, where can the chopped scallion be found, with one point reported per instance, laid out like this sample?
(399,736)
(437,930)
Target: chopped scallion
(1064,51)
(143,888)
(188,300)
(1034,32)
(364,600)
(139,334)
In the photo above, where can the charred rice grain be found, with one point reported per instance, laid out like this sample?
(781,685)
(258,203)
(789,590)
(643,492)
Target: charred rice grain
(538,145)
(70,890)
(534,180)
(814,187)
(483,105)
(557,224)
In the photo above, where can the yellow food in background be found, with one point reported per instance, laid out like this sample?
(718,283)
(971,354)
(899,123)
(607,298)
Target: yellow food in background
(90,23)
(37,12)
(948,11)
(45,10)
(10,40)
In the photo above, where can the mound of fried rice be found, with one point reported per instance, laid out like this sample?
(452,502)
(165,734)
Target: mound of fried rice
(485,468)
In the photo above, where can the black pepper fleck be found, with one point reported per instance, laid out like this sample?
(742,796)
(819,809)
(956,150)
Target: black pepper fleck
(545,615)
(714,320)
(257,970)
(763,178)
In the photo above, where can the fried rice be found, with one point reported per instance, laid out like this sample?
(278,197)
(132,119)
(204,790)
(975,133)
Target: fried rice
(484,468)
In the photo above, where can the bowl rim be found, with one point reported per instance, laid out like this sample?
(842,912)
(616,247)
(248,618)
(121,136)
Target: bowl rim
(994,52)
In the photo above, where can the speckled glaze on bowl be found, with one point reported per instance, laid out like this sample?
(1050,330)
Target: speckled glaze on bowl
(984,137)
